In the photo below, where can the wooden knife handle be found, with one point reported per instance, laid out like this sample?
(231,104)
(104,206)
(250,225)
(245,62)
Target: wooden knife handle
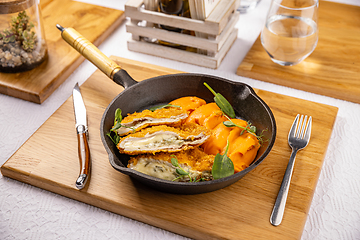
(84,156)
(89,51)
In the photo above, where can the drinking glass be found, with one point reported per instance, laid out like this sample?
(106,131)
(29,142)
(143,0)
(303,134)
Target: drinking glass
(290,33)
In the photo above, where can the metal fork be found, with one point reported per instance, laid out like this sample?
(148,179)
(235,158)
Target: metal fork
(298,139)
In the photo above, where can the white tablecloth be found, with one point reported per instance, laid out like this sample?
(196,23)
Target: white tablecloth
(27,212)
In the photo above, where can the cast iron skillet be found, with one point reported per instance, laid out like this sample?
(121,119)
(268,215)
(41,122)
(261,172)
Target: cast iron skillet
(138,96)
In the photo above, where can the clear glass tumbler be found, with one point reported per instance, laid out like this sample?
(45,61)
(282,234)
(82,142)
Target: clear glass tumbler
(290,33)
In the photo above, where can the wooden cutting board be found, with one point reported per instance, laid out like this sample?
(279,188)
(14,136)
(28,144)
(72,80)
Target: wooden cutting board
(49,160)
(333,69)
(39,83)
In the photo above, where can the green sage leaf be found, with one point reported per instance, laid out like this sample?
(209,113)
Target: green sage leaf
(118,116)
(181,171)
(222,103)
(223,166)
(253,129)
(115,139)
(117,120)
(174,162)
(116,127)
(229,124)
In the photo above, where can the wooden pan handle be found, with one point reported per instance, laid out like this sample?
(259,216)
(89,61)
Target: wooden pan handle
(89,51)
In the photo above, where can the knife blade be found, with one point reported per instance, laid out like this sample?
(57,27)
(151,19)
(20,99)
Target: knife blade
(82,137)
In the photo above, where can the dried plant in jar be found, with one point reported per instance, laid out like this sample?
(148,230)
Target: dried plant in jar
(22,41)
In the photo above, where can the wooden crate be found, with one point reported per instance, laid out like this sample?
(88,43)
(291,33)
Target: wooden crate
(219,28)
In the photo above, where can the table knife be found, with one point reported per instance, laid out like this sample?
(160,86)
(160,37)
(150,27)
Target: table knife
(82,137)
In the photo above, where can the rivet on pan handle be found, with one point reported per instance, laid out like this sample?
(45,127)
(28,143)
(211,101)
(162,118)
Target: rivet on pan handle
(89,51)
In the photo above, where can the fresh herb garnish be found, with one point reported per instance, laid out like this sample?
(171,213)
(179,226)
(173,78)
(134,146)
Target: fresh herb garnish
(222,103)
(115,139)
(229,113)
(117,120)
(163,106)
(179,169)
(117,125)
(223,166)
(249,128)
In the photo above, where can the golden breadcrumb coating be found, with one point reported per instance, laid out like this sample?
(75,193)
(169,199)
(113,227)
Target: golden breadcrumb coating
(195,158)
(164,139)
(159,113)
(134,122)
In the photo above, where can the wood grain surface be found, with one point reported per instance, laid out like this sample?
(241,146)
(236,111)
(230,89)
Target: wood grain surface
(332,70)
(49,160)
(39,83)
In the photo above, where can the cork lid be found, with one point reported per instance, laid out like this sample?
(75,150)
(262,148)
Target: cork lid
(13,6)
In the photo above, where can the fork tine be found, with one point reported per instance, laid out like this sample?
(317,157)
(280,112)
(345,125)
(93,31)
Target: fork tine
(293,127)
(308,130)
(303,128)
(301,123)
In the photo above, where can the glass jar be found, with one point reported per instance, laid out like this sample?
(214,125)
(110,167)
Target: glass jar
(22,38)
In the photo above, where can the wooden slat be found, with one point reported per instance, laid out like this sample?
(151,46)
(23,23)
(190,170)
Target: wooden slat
(184,56)
(332,70)
(222,12)
(240,211)
(185,39)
